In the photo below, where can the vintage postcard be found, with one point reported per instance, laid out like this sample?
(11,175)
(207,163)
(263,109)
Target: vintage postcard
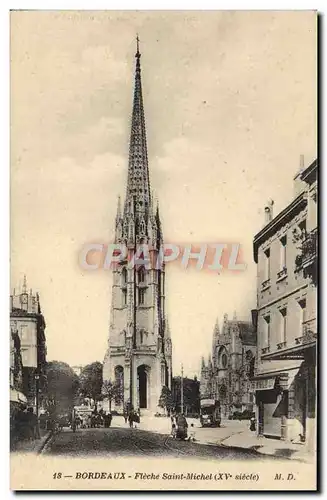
(163,302)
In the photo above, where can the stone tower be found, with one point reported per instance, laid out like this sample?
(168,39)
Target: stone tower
(139,353)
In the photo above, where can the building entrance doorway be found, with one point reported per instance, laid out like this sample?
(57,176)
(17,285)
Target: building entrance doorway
(143,375)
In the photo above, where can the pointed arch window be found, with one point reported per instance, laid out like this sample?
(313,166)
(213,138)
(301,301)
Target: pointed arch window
(124,276)
(141,275)
(142,227)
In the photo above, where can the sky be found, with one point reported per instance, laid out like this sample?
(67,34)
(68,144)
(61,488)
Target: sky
(230,105)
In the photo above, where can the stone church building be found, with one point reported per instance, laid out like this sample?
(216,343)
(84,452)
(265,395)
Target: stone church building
(139,352)
(226,376)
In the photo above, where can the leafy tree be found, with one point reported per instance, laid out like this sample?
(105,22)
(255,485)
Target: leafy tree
(191,394)
(166,399)
(91,381)
(112,391)
(62,386)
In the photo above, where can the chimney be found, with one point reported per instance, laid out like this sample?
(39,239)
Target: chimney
(298,184)
(269,211)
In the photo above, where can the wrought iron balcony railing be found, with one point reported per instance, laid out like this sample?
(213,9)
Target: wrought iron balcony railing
(282,274)
(309,331)
(309,248)
(265,284)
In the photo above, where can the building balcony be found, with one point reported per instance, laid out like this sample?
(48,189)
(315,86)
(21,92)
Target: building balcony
(265,350)
(265,285)
(309,331)
(309,249)
(299,348)
(282,274)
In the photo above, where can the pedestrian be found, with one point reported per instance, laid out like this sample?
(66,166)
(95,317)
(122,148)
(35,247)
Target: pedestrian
(78,420)
(252,423)
(31,423)
(136,419)
(131,418)
(173,430)
(173,426)
(192,433)
(125,416)
(98,420)
(181,427)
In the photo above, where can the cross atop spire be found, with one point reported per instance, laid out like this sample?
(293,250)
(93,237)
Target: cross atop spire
(137,46)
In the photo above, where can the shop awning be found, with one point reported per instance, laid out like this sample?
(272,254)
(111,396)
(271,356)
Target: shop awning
(17,397)
(263,384)
(269,382)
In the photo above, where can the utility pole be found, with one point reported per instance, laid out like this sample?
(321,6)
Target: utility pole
(182,391)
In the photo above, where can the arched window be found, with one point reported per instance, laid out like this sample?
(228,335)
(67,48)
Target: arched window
(141,275)
(141,336)
(124,276)
(222,357)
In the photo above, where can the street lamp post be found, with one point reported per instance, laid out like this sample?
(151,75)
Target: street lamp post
(37,379)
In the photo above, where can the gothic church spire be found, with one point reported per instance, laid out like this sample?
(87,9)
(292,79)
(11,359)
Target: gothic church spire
(138,194)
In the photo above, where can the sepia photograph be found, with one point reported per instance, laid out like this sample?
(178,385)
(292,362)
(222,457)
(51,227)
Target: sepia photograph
(163,250)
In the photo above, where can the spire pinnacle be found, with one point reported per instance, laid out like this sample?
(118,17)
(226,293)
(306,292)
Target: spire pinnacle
(24,289)
(118,208)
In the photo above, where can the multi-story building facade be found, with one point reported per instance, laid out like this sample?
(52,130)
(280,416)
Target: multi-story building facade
(28,322)
(285,251)
(139,353)
(16,366)
(227,375)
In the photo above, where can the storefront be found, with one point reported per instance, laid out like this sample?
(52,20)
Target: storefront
(292,396)
(18,402)
(272,405)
